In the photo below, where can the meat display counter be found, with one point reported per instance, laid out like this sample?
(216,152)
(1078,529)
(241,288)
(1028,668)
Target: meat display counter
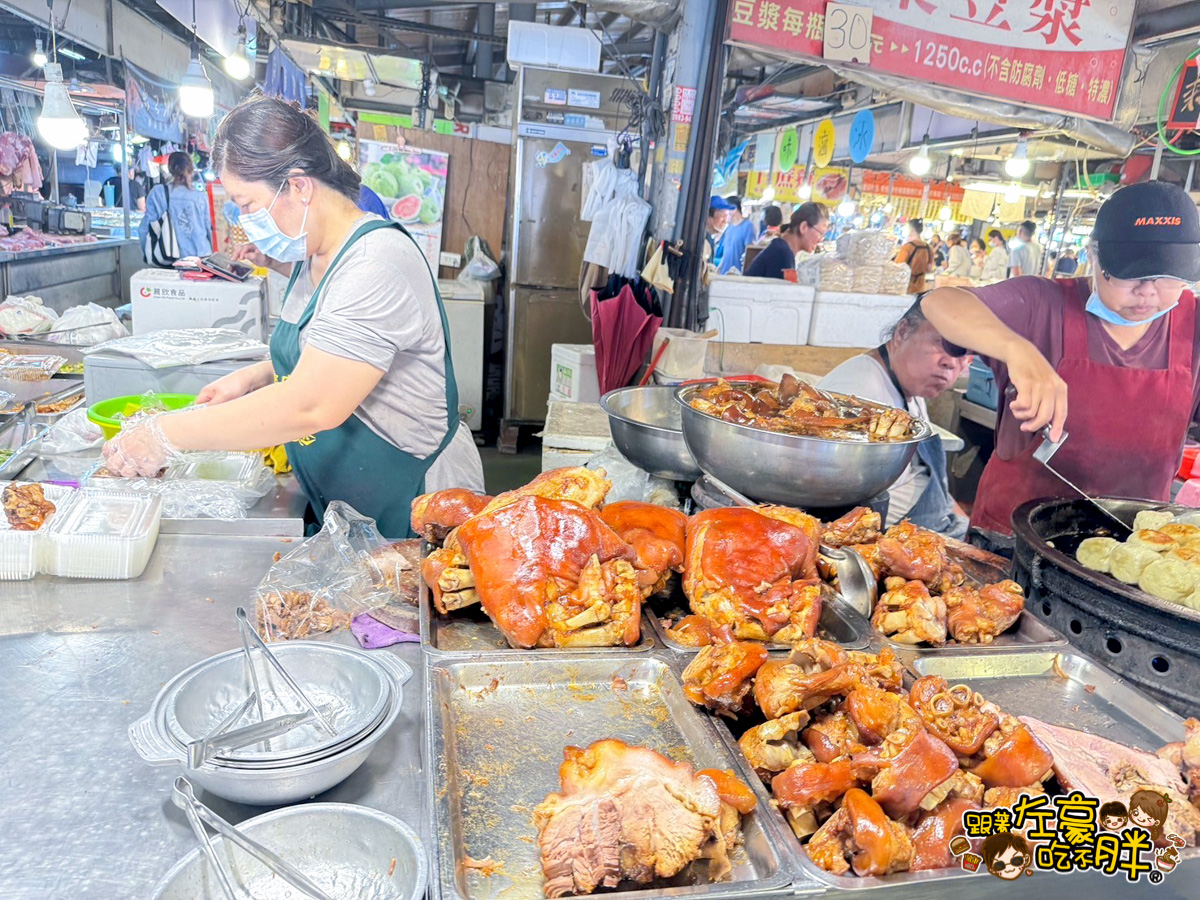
(70,274)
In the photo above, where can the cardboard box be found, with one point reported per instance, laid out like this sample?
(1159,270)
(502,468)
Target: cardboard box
(163,298)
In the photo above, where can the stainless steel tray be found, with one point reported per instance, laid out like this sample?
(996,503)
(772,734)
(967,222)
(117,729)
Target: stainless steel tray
(470,633)
(1028,633)
(74,390)
(1023,683)
(839,623)
(23,436)
(496,733)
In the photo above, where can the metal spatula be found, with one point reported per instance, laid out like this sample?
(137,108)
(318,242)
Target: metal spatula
(1045,452)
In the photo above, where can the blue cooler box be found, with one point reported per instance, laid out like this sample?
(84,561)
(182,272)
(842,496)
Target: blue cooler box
(981,385)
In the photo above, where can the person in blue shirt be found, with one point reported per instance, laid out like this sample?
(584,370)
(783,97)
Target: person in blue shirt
(191,220)
(804,231)
(718,216)
(369,201)
(738,235)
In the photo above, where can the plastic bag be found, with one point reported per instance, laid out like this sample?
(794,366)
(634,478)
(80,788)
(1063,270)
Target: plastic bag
(631,483)
(867,279)
(25,315)
(478,264)
(896,278)
(87,325)
(6,400)
(320,586)
(70,434)
(209,485)
(869,247)
(185,346)
(825,272)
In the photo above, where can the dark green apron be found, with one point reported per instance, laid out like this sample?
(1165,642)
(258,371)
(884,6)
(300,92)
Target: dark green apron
(351,462)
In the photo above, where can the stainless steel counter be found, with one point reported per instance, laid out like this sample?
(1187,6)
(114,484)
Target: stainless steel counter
(83,816)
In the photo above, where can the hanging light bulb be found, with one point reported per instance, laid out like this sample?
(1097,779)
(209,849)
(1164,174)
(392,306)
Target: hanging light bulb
(920,164)
(343,150)
(196,91)
(888,207)
(237,64)
(944,213)
(804,192)
(768,193)
(1017,165)
(1013,193)
(39,54)
(59,123)
(846,208)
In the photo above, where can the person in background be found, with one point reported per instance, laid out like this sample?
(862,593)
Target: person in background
(370,202)
(772,221)
(1050,264)
(978,257)
(958,259)
(1113,360)
(917,255)
(804,232)
(718,217)
(1026,258)
(995,267)
(912,366)
(738,235)
(190,218)
(1067,263)
(137,192)
(938,246)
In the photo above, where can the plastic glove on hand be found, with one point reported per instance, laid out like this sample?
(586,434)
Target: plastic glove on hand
(140,449)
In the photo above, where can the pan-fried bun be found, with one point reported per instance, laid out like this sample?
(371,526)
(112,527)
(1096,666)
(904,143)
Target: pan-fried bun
(1151,518)
(1168,578)
(1127,562)
(1094,552)
(1152,540)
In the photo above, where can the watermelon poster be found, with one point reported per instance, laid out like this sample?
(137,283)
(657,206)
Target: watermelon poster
(412,184)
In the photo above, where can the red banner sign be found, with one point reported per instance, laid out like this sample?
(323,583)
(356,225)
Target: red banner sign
(1064,55)
(897,186)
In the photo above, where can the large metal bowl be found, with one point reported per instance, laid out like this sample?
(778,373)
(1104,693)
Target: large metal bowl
(646,429)
(791,469)
(347,850)
(288,782)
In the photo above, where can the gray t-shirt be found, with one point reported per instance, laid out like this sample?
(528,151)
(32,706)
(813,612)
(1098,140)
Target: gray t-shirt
(378,306)
(863,376)
(1027,257)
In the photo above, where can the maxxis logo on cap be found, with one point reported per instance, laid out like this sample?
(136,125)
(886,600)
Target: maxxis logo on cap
(1157,220)
(145,292)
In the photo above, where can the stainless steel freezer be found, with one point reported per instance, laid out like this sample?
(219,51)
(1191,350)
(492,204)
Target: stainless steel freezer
(565,122)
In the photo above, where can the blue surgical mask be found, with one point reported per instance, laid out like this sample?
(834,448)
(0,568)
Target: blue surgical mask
(1097,308)
(261,229)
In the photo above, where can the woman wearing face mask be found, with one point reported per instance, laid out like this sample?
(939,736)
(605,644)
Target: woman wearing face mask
(995,264)
(1113,363)
(360,384)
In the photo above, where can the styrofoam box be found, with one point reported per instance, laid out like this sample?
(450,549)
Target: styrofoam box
(760,310)
(104,534)
(21,551)
(854,320)
(573,373)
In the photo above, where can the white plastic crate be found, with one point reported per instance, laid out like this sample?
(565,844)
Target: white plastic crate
(760,310)
(854,320)
(103,534)
(573,373)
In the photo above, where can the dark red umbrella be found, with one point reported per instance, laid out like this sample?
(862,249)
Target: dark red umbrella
(622,332)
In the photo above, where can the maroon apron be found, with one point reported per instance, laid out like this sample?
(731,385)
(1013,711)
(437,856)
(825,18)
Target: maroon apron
(1126,425)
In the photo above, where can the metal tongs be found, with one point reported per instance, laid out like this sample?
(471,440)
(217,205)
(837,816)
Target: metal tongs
(199,815)
(1045,452)
(257,733)
(249,635)
(856,582)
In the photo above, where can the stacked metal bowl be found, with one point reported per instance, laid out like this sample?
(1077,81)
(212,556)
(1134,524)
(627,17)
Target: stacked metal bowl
(360,694)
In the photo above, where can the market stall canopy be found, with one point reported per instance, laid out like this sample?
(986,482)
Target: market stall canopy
(351,64)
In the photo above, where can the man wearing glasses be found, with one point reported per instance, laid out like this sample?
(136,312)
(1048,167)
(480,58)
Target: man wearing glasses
(1112,360)
(804,231)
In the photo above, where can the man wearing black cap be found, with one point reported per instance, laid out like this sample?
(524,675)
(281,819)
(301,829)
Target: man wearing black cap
(1113,363)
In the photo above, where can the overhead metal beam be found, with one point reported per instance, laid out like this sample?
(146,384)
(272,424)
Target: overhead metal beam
(485,23)
(387,23)
(1164,24)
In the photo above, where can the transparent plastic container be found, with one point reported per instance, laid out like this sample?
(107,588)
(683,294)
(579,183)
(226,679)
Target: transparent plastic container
(104,534)
(31,367)
(234,469)
(203,485)
(21,551)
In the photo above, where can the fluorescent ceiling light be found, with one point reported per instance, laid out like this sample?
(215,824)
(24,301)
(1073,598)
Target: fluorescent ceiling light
(67,51)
